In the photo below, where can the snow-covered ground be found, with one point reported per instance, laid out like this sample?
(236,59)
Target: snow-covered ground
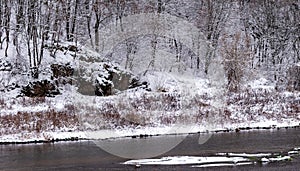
(180,102)
(133,132)
(137,112)
(229,159)
(179,160)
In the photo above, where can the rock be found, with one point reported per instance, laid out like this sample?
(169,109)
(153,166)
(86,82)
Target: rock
(121,80)
(137,83)
(62,70)
(106,80)
(104,88)
(73,48)
(40,89)
(62,74)
(85,87)
(114,80)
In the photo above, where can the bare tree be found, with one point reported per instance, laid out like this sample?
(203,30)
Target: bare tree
(102,10)
(6,23)
(88,16)
(1,23)
(273,26)
(215,14)
(236,57)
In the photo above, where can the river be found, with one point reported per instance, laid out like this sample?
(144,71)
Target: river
(85,155)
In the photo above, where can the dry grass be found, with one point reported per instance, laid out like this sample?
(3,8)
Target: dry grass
(2,103)
(254,104)
(146,110)
(31,101)
(149,110)
(37,121)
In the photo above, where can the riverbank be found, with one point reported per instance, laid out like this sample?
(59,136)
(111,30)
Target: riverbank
(53,137)
(139,113)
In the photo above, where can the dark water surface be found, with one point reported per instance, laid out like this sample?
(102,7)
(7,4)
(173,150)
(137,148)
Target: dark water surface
(85,155)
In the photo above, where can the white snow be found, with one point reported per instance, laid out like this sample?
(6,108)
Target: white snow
(279,158)
(184,160)
(190,86)
(223,164)
(45,136)
(231,159)
(245,154)
(293,152)
(265,160)
(261,83)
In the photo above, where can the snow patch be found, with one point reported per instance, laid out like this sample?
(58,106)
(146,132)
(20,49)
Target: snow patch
(184,160)
(223,164)
(244,154)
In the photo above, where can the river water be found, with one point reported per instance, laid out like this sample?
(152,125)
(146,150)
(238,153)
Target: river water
(85,155)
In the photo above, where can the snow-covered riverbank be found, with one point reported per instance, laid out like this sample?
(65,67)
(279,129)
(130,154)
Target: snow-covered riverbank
(188,107)
(141,132)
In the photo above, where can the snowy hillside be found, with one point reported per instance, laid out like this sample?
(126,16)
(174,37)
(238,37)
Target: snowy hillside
(164,100)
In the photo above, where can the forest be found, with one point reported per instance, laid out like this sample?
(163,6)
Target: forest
(250,36)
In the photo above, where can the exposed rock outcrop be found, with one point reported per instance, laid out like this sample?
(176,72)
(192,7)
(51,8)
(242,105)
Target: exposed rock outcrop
(40,89)
(62,74)
(115,80)
(110,80)
(62,70)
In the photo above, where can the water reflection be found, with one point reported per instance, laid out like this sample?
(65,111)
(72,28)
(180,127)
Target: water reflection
(86,155)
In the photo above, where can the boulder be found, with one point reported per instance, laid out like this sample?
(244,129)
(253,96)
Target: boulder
(40,89)
(62,74)
(62,70)
(114,80)
(109,81)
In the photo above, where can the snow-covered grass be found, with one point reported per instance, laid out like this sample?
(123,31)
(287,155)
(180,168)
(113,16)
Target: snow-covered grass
(140,112)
